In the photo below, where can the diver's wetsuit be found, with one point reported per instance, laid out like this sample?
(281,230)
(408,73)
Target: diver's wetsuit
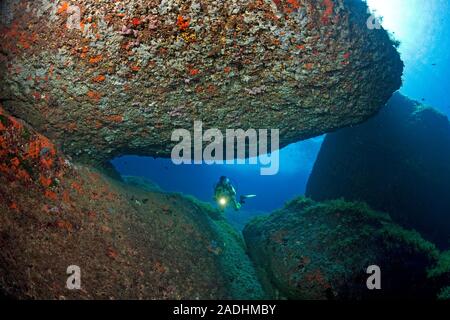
(225,189)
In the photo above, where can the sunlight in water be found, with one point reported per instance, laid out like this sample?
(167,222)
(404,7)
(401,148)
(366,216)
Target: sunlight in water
(422,27)
(410,21)
(394,14)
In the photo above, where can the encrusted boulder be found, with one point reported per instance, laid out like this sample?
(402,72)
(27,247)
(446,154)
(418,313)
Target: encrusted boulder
(103,78)
(310,250)
(130,241)
(397,162)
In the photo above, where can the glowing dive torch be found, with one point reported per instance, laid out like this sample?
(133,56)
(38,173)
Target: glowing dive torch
(223,201)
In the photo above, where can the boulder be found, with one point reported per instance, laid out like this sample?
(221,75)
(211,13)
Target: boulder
(129,242)
(398,162)
(311,250)
(107,78)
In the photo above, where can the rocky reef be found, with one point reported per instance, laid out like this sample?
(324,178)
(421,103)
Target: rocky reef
(312,250)
(131,242)
(104,78)
(397,162)
(440,275)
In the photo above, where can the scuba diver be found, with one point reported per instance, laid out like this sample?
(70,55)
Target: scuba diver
(224,194)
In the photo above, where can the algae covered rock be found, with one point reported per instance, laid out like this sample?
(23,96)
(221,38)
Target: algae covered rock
(397,162)
(103,78)
(440,274)
(312,250)
(141,183)
(129,243)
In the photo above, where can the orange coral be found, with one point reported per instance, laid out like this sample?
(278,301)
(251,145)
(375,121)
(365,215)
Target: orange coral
(96,59)
(23,175)
(63,8)
(46,182)
(99,78)
(15,162)
(76,187)
(292,6)
(50,194)
(112,253)
(13,206)
(115,118)
(64,225)
(329,7)
(183,23)
(16,124)
(47,163)
(33,149)
(94,95)
(309,66)
(84,52)
(36,149)
(194,72)
(136,22)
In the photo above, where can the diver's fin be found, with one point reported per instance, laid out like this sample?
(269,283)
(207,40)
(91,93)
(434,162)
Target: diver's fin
(245,197)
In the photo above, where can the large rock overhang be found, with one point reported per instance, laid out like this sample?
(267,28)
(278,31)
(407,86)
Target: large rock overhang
(128,73)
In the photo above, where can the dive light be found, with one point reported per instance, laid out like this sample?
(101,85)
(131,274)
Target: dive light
(223,201)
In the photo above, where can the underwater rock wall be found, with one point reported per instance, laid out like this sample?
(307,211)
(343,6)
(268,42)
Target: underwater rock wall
(397,162)
(130,243)
(312,250)
(103,78)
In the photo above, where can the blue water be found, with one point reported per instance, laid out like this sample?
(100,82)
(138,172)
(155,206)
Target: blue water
(296,163)
(422,28)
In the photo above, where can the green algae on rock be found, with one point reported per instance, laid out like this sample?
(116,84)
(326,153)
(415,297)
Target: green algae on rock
(397,162)
(312,250)
(131,71)
(440,275)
